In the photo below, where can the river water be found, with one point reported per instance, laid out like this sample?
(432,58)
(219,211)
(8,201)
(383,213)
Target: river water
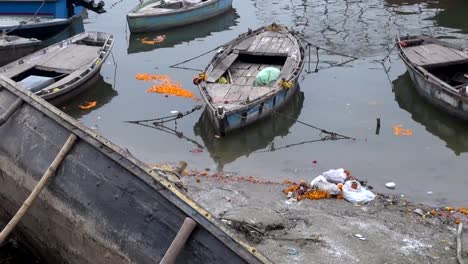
(428,166)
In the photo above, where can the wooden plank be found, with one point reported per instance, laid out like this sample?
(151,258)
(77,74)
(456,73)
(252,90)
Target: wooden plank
(73,57)
(254,43)
(288,68)
(252,72)
(241,80)
(245,44)
(264,45)
(250,80)
(234,94)
(276,45)
(286,46)
(259,91)
(218,91)
(244,92)
(221,67)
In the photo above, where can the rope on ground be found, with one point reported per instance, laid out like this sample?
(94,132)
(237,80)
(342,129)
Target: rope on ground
(191,59)
(459,243)
(165,119)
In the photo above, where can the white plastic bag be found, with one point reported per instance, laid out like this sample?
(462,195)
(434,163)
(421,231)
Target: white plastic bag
(322,184)
(356,195)
(335,176)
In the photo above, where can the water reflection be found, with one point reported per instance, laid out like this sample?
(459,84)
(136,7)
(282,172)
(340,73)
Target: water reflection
(252,138)
(438,123)
(76,27)
(100,91)
(183,34)
(453,15)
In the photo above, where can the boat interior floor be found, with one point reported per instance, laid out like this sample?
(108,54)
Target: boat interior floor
(454,75)
(240,89)
(160,7)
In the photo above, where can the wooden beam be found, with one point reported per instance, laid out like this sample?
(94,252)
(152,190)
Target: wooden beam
(179,241)
(39,187)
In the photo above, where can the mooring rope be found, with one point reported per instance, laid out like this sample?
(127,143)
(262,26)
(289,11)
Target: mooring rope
(191,59)
(165,119)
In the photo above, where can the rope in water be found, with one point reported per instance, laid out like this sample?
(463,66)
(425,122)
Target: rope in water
(165,119)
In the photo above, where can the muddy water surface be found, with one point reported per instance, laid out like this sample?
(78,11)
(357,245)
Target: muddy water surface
(428,166)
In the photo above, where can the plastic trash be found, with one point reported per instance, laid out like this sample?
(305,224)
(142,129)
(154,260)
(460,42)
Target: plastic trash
(36,83)
(322,184)
(335,176)
(390,185)
(355,193)
(267,76)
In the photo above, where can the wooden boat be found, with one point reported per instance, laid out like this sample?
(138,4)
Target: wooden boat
(175,36)
(162,14)
(239,103)
(61,71)
(445,127)
(102,205)
(439,71)
(14,47)
(42,19)
(253,138)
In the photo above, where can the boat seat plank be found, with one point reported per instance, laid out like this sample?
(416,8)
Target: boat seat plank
(221,67)
(245,44)
(276,44)
(12,72)
(286,46)
(218,91)
(237,94)
(72,57)
(433,54)
(263,46)
(254,43)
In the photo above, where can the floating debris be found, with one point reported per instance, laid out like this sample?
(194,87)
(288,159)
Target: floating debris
(398,130)
(156,40)
(164,85)
(88,105)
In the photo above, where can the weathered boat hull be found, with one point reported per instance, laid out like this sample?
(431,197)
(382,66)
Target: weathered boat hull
(449,101)
(9,53)
(244,117)
(145,23)
(77,79)
(102,205)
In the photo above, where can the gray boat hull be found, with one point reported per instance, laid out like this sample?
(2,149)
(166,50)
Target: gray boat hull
(103,205)
(451,102)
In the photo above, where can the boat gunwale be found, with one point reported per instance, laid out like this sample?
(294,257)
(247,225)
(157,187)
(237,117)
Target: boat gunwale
(426,75)
(134,14)
(137,168)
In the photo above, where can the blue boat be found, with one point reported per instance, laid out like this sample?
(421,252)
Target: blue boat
(162,14)
(41,19)
(234,96)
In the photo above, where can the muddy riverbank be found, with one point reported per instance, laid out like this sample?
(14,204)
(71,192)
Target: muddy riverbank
(324,231)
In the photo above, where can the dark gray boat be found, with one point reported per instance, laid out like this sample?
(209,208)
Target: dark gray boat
(439,71)
(14,47)
(102,205)
(228,85)
(61,71)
